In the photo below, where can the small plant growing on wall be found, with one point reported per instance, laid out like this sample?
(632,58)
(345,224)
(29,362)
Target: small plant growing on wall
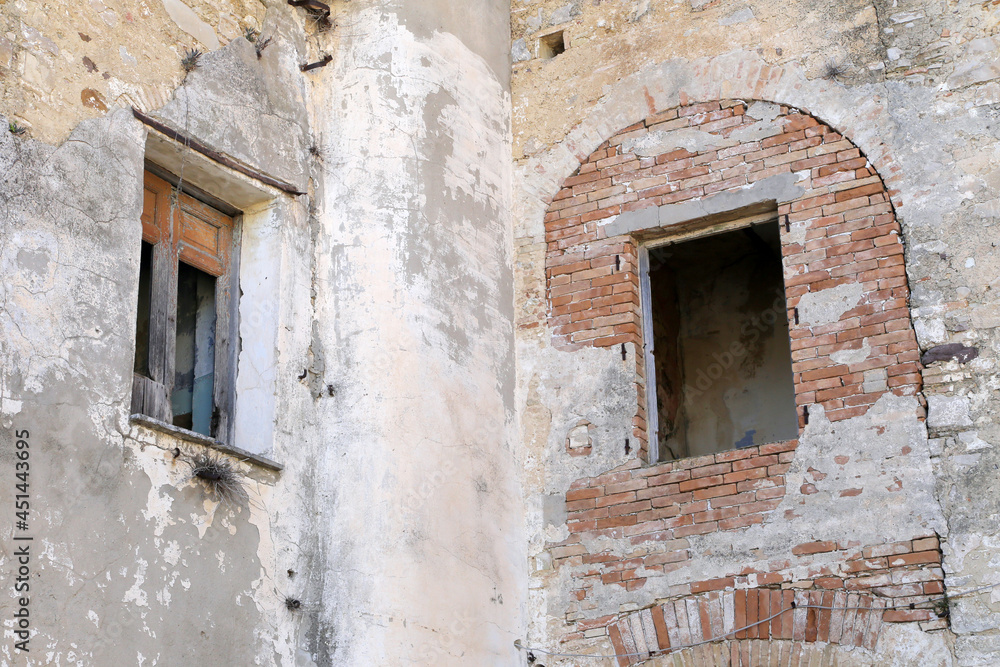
(261,45)
(833,70)
(190,60)
(942,607)
(220,476)
(253,37)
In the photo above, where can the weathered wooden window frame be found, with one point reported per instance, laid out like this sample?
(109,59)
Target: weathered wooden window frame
(172,215)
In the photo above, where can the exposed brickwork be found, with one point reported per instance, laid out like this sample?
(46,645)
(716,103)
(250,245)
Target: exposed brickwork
(898,586)
(851,236)
(656,507)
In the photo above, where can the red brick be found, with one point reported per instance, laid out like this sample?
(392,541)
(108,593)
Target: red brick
(740,612)
(696,529)
(616,641)
(778,447)
(933,587)
(715,492)
(735,454)
(915,558)
(751,473)
(754,462)
(712,585)
(629,508)
(760,506)
(829,582)
(659,624)
(906,615)
(706,471)
(767,494)
(865,565)
(814,548)
(583,515)
(693,109)
(701,483)
(763,612)
(615,522)
(752,612)
(669,477)
(736,499)
(575,505)
(694,507)
(796,122)
(717,514)
(583,494)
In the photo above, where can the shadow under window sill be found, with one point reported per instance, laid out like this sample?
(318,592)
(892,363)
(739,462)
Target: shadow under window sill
(204,440)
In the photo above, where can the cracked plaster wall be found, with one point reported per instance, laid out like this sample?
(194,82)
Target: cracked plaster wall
(915,87)
(135,563)
(417,236)
(379,355)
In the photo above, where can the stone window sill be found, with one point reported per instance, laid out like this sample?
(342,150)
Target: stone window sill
(199,439)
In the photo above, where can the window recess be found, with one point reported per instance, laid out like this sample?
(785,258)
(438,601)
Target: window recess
(715,333)
(183,371)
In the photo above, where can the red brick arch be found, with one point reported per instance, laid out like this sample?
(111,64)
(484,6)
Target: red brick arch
(850,236)
(723,617)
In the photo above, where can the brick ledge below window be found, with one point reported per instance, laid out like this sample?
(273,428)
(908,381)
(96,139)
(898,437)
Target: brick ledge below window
(199,439)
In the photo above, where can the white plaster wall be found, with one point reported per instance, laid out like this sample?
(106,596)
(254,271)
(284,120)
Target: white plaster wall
(424,550)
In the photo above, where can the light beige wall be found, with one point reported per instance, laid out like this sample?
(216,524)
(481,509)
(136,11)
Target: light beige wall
(76,60)
(413,326)
(377,353)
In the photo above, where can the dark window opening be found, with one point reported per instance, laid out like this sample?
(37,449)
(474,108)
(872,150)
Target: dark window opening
(720,345)
(194,366)
(141,365)
(551,45)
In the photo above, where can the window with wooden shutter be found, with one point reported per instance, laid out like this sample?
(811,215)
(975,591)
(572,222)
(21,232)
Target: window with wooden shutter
(183,366)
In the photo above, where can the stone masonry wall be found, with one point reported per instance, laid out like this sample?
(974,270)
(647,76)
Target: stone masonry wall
(914,87)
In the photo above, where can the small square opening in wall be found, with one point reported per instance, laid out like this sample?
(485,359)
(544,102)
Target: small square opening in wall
(551,45)
(717,330)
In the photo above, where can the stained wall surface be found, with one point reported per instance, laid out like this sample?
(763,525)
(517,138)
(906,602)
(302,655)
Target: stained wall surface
(375,347)
(613,543)
(440,336)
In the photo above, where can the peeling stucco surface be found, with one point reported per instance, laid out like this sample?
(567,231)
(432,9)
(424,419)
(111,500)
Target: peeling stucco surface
(374,307)
(385,312)
(915,90)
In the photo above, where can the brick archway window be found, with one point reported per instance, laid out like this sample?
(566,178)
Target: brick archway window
(723,185)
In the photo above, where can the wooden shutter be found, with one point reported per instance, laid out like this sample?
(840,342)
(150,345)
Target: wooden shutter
(151,395)
(182,228)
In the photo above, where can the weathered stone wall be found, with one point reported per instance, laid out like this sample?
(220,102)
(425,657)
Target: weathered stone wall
(378,322)
(375,356)
(911,85)
(66,61)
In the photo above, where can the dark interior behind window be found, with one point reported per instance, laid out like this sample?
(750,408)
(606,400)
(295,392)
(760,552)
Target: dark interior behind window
(194,368)
(721,347)
(141,365)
